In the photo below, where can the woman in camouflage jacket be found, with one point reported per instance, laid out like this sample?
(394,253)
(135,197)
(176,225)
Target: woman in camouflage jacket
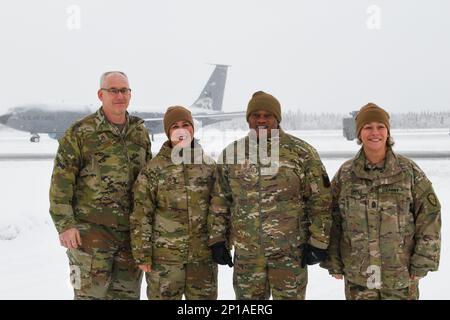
(386,218)
(169,221)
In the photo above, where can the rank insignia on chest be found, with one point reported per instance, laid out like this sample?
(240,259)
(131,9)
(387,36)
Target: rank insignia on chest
(103,137)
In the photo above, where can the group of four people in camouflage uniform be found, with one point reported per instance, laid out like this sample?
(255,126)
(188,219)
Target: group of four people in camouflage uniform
(122,213)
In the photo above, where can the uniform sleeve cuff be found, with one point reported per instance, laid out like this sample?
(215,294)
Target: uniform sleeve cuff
(146,261)
(215,240)
(318,244)
(418,272)
(64,226)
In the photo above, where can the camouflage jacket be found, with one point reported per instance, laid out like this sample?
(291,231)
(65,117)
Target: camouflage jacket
(171,201)
(385,220)
(270,214)
(94,171)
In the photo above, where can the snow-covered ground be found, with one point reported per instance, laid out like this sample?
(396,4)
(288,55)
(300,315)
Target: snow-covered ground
(34,266)
(214,140)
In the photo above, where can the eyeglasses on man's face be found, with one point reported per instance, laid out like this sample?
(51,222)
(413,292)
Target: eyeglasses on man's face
(116,91)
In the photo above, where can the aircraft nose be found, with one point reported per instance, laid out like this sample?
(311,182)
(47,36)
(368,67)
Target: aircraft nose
(4,118)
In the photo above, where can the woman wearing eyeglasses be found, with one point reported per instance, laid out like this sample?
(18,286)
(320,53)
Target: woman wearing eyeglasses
(386,217)
(169,220)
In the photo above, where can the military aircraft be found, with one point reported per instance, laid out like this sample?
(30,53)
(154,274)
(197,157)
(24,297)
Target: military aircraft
(55,119)
(349,127)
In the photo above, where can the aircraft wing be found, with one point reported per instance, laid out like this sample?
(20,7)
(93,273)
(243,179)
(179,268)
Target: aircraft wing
(153,119)
(220,116)
(215,116)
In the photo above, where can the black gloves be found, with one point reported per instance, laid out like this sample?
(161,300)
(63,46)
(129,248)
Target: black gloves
(312,255)
(220,254)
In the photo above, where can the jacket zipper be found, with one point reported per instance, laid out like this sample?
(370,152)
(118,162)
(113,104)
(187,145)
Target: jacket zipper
(260,211)
(185,176)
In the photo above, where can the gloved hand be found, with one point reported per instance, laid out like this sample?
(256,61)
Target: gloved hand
(312,255)
(220,254)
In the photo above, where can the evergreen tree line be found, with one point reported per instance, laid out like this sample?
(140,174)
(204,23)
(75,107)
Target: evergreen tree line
(297,120)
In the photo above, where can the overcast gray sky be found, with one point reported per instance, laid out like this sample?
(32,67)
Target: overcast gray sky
(316,55)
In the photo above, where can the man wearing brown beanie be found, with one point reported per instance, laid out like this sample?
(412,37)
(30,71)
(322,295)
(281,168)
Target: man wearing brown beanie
(278,222)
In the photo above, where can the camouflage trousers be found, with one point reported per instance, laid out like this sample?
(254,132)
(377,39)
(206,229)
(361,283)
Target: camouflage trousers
(196,280)
(103,267)
(258,278)
(357,292)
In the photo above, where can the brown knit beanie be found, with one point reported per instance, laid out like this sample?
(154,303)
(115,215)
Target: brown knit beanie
(174,114)
(371,113)
(264,101)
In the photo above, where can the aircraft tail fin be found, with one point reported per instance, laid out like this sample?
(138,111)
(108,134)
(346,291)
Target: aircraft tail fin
(211,97)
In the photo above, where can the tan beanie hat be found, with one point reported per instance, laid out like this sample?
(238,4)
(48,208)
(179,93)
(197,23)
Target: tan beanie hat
(264,101)
(174,114)
(371,113)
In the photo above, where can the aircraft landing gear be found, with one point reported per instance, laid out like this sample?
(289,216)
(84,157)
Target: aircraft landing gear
(35,138)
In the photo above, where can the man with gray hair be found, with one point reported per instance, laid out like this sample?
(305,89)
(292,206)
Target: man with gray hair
(98,160)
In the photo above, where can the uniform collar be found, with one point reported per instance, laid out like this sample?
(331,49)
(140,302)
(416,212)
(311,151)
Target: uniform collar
(281,136)
(103,123)
(391,166)
(378,166)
